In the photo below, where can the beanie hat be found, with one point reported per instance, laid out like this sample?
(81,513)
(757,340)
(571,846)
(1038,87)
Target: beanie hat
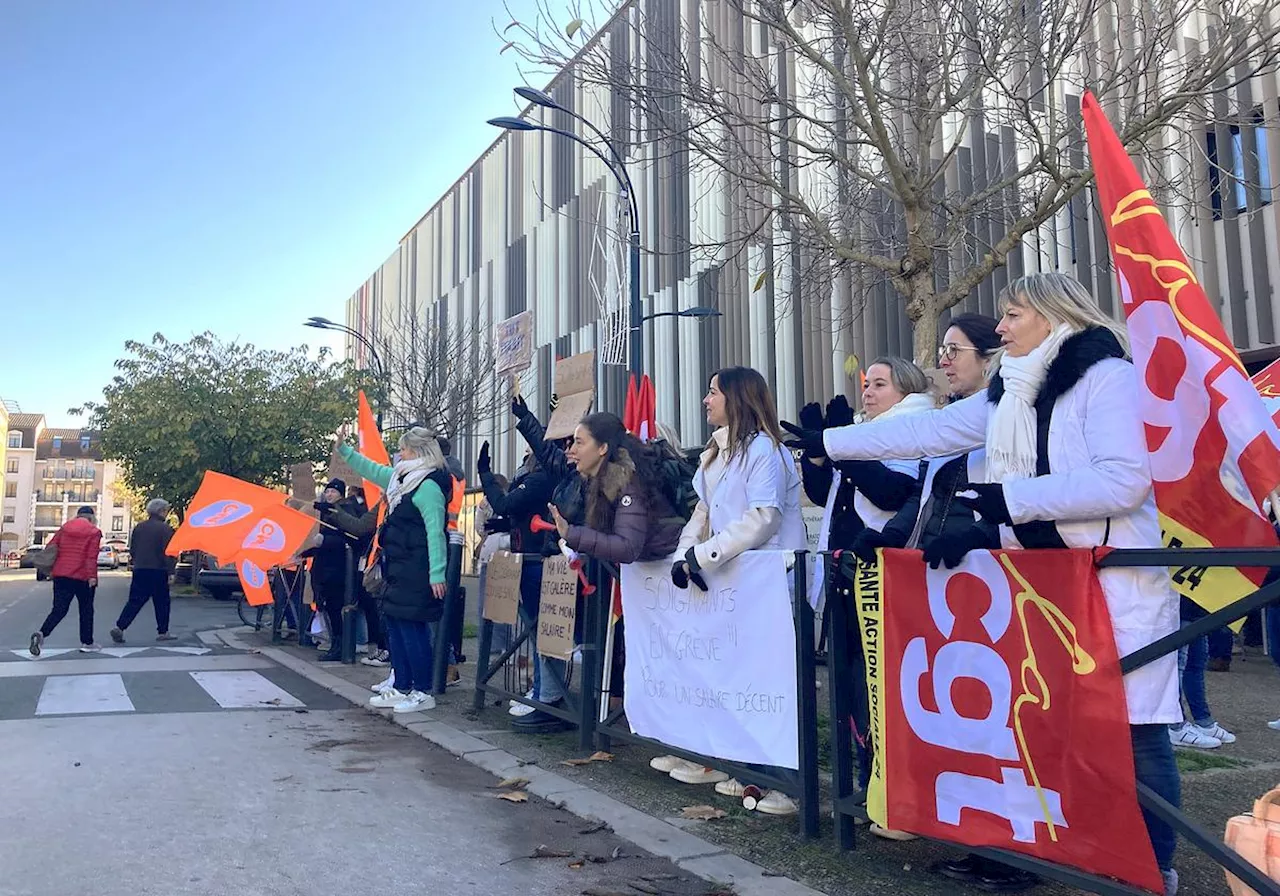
(337,485)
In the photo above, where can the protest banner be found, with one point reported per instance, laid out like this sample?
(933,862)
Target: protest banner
(557,608)
(704,670)
(502,588)
(1267,382)
(513,343)
(340,469)
(575,386)
(980,679)
(302,482)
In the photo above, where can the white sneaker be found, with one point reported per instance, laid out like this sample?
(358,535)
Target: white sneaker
(519,709)
(415,701)
(664,764)
(1216,730)
(732,787)
(383,685)
(389,697)
(1274,726)
(1190,736)
(689,773)
(775,802)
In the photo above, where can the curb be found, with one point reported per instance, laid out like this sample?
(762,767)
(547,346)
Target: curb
(699,857)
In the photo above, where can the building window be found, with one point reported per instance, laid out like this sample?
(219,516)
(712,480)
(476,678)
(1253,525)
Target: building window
(11,489)
(15,440)
(57,443)
(117,524)
(1233,192)
(12,465)
(8,516)
(84,443)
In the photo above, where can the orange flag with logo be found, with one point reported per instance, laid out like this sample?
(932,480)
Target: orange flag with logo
(1215,451)
(278,534)
(221,514)
(371,446)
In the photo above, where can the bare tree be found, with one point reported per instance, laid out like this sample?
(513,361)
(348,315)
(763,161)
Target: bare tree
(436,375)
(840,125)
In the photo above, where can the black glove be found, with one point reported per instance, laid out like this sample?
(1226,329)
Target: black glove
(695,569)
(864,546)
(497,524)
(811,416)
(679,577)
(519,408)
(949,550)
(808,440)
(989,504)
(482,462)
(839,413)
(322,506)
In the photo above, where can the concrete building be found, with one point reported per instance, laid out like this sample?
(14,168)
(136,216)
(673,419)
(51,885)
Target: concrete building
(526,227)
(69,473)
(23,432)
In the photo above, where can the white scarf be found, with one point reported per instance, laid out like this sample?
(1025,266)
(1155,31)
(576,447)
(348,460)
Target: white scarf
(910,404)
(1011,429)
(405,477)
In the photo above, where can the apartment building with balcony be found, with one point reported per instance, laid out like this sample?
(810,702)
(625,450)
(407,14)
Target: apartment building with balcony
(69,473)
(22,433)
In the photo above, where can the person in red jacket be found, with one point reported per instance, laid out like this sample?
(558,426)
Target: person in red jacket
(75,575)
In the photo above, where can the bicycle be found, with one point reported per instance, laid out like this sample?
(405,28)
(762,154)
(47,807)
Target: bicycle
(264,615)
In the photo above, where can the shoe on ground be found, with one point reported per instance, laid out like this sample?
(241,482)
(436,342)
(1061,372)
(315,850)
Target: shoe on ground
(730,788)
(330,656)
(775,802)
(415,701)
(37,641)
(889,834)
(664,764)
(1001,878)
(1190,736)
(1274,726)
(89,648)
(452,677)
(541,722)
(165,636)
(378,658)
(1216,730)
(1170,881)
(689,773)
(517,709)
(117,635)
(387,699)
(383,685)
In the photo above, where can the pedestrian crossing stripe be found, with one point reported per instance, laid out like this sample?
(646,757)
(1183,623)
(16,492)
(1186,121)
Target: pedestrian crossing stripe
(106,693)
(117,652)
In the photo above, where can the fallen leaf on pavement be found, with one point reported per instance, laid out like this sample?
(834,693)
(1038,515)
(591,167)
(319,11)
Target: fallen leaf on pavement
(511,782)
(514,796)
(577,866)
(599,756)
(702,813)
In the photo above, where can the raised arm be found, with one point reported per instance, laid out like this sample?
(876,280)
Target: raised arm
(958,427)
(374,472)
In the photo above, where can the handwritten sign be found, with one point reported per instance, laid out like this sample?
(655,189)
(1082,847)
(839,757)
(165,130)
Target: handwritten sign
(302,482)
(340,469)
(502,588)
(513,343)
(575,386)
(704,669)
(557,608)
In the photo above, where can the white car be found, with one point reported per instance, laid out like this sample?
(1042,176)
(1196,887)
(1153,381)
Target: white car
(108,558)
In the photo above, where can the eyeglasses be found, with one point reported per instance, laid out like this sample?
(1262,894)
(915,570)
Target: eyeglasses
(948,351)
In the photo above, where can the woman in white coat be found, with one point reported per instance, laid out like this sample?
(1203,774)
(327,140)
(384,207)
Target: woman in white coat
(748,499)
(1067,466)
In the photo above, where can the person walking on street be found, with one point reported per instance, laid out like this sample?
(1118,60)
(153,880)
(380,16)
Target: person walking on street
(151,568)
(75,576)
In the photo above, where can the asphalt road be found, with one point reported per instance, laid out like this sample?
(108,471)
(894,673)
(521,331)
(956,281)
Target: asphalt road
(195,769)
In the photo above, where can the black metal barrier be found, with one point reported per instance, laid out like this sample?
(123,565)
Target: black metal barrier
(848,802)
(593,733)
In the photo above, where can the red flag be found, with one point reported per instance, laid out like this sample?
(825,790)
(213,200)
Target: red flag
(1267,382)
(221,514)
(980,680)
(631,410)
(1215,451)
(647,422)
(371,446)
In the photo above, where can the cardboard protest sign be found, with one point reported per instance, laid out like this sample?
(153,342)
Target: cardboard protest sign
(340,469)
(575,387)
(302,482)
(502,588)
(513,343)
(557,608)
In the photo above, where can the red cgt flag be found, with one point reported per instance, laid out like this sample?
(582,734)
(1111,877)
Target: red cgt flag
(371,446)
(1267,382)
(981,679)
(1215,451)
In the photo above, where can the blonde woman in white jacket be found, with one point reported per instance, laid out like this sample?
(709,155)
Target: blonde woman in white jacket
(1067,466)
(749,499)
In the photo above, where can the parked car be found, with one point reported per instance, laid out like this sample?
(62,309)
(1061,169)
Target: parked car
(108,558)
(27,560)
(122,552)
(222,582)
(186,566)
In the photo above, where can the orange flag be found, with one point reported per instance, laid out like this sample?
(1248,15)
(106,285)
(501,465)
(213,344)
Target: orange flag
(1215,451)
(221,514)
(277,535)
(371,446)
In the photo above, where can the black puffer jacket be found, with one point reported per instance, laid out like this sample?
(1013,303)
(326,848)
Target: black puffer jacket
(526,497)
(406,558)
(942,515)
(567,492)
(329,558)
(845,522)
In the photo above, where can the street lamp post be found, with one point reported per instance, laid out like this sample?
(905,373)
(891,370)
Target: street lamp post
(323,323)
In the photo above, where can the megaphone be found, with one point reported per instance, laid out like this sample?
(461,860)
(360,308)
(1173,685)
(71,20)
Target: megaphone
(538,524)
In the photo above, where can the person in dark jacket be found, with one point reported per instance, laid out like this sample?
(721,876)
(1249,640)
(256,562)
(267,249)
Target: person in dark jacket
(151,569)
(329,566)
(75,576)
(413,556)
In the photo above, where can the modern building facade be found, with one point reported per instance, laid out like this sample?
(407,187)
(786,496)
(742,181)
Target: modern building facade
(533,224)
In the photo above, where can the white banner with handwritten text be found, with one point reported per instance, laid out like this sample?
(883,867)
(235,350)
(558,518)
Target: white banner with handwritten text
(714,672)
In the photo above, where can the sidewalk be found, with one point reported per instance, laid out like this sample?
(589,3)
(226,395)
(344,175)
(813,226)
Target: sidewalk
(763,855)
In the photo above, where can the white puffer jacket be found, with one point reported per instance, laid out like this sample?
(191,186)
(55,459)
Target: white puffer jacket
(1098,491)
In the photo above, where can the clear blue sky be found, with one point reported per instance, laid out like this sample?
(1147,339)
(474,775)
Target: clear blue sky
(232,165)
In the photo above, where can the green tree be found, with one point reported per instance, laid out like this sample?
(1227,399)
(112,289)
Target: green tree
(177,409)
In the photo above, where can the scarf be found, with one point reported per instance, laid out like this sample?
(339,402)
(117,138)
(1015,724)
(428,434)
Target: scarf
(910,404)
(405,477)
(1011,429)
